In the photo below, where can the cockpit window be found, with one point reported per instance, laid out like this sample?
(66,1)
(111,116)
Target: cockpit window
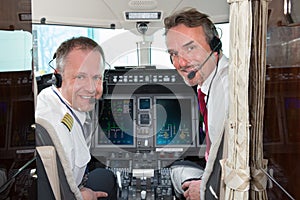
(121,47)
(15,50)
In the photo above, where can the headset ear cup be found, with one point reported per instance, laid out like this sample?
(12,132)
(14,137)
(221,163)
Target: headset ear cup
(215,44)
(57,80)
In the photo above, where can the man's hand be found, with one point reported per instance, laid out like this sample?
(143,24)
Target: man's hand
(89,194)
(192,189)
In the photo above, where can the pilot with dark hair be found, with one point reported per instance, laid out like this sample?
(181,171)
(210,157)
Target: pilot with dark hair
(195,51)
(68,105)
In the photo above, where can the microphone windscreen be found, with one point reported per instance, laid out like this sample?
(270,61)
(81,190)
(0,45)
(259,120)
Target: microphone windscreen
(191,75)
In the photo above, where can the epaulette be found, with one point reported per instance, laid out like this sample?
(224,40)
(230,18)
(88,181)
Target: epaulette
(68,121)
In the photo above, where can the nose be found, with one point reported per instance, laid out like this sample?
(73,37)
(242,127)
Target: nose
(91,85)
(179,62)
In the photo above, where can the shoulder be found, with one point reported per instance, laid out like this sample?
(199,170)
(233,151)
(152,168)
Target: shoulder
(46,96)
(61,122)
(47,103)
(50,108)
(223,66)
(220,85)
(223,72)
(68,121)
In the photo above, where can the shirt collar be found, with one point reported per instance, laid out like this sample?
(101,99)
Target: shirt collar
(206,83)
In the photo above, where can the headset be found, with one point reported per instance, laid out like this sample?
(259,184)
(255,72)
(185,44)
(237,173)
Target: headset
(56,77)
(215,45)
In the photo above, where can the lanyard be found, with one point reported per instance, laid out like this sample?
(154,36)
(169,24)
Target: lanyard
(70,109)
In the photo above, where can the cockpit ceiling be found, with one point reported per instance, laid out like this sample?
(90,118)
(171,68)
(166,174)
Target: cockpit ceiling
(111,13)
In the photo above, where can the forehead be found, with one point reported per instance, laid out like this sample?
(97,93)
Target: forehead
(84,60)
(181,34)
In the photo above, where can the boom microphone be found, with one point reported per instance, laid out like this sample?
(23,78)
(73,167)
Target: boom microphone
(192,74)
(216,45)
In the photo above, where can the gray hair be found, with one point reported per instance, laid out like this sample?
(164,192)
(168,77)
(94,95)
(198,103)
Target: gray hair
(83,43)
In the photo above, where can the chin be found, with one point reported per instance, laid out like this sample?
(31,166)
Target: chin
(86,108)
(190,82)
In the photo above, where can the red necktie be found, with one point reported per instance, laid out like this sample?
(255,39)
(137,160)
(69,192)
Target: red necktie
(203,111)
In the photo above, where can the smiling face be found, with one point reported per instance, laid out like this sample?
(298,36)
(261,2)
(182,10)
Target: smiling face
(82,79)
(189,49)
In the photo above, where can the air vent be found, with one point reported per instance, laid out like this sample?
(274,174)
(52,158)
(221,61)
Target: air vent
(142,4)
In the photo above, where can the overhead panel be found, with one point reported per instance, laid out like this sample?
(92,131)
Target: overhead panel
(118,14)
(91,13)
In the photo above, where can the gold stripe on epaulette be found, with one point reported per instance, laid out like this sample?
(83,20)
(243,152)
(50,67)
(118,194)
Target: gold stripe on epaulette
(68,121)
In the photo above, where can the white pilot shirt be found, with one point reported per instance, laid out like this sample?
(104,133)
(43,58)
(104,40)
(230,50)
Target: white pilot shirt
(53,109)
(216,99)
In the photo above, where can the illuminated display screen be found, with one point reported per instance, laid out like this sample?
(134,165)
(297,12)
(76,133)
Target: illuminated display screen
(144,119)
(174,122)
(116,122)
(144,103)
(143,15)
